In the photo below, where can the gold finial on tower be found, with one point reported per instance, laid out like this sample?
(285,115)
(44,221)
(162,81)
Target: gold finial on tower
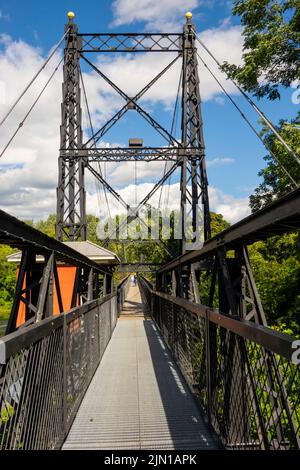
(71,15)
(188,16)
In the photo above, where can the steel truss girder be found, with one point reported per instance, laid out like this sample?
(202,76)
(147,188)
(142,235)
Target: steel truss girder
(36,280)
(36,283)
(239,297)
(124,154)
(233,289)
(19,235)
(130,42)
(282,216)
(74,156)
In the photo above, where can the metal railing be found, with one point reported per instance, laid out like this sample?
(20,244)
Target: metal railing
(145,287)
(45,370)
(241,373)
(122,291)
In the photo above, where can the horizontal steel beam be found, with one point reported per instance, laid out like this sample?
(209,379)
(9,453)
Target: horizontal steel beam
(118,154)
(19,235)
(134,265)
(130,42)
(282,216)
(138,267)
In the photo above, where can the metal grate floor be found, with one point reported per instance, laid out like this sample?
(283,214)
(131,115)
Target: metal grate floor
(138,398)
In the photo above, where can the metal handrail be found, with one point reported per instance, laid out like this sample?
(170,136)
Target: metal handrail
(243,374)
(275,341)
(23,338)
(45,370)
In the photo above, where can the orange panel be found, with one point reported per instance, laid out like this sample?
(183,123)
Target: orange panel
(22,306)
(66,276)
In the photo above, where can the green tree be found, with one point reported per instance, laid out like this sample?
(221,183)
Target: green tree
(47,226)
(271,30)
(276,267)
(7,281)
(218,223)
(276,182)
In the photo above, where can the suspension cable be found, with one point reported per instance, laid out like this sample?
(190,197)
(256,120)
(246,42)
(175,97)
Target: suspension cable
(135,181)
(247,120)
(92,131)
(172,129)
(30,109)
(251,102)
(88,125)
(34,78)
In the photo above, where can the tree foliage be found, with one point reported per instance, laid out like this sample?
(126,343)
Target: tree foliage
(276,182)
(271,30)
(7,282)
(276,267)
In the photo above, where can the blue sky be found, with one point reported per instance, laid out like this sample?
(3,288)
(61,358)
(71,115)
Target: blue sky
(234,153)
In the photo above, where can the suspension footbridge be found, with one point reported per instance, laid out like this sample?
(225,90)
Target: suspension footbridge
(91,363)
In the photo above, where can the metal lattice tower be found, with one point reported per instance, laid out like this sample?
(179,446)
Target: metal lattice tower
(75,155)
(71,213)
(194,191)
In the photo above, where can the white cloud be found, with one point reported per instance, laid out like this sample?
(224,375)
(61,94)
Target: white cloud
(157,14)
(233,209)
(219,161)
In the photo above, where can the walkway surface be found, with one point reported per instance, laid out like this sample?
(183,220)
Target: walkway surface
(138,398)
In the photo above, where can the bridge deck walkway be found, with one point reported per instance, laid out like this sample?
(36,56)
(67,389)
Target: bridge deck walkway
(138,398)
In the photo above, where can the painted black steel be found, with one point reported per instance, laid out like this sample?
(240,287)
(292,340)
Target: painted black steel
(124,154)
(130,42)
(74,155)
(241,373)
(46,369)
(279,217)
(194,183)
(20,235)
(71,210)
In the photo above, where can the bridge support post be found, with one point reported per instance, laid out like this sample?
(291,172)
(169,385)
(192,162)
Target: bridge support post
(235,386)
(71,221)
(194,184)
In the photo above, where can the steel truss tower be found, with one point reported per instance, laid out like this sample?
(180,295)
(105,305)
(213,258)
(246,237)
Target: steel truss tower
(194,184)
(76,155)
(71,212)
